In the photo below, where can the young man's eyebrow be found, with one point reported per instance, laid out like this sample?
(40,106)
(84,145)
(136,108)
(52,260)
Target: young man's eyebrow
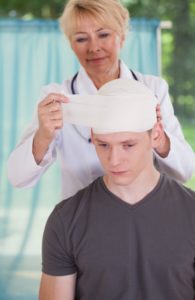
(99,141)
(121,142)
(129,141)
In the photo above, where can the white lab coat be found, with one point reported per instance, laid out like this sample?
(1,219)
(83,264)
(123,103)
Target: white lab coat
(78,161)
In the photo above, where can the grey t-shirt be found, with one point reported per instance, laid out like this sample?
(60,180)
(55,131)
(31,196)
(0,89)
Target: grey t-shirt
(120,251)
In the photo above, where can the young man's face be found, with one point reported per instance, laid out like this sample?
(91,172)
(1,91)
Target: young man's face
(124,156)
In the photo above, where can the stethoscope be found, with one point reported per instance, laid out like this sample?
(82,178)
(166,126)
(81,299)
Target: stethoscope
(72,86)
(75,77)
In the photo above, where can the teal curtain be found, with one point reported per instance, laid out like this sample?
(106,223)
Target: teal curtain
(34,53)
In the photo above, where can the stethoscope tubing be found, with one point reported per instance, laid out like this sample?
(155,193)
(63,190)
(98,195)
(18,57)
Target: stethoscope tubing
(75,77)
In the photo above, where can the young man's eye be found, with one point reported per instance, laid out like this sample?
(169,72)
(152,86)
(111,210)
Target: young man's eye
(103,145)
(128,146)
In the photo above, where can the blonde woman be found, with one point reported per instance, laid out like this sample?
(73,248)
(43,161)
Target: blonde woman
(96,31)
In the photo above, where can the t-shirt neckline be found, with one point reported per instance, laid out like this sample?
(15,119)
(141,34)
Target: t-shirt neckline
(145,199)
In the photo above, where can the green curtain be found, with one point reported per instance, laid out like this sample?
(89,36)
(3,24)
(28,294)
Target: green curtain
(34,53)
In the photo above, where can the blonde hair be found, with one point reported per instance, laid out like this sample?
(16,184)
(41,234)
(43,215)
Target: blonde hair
(106,12)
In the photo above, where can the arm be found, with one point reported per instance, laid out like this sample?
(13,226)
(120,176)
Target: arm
(37,148)
(57,287)
(177,158)
(50,119)
(164,147)
(22,169)
(180,159)
(58,264)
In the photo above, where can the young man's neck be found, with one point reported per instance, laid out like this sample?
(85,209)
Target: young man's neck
(134,192)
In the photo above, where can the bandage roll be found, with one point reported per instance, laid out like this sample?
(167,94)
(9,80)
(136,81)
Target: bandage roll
(120,105)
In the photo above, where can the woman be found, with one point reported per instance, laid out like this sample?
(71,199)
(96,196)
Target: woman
(96,31)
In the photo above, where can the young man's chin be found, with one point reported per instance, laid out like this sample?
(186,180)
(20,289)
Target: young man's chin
(120,178)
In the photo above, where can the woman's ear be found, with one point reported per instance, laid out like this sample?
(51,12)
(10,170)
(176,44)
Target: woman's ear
(122,40)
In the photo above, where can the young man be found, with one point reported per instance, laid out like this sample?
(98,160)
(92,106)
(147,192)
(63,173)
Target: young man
(129,234)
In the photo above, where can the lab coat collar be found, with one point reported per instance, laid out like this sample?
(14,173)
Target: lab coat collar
(84,85)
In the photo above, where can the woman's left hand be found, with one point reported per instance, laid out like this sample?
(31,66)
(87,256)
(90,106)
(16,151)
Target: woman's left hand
(158,113)
(164,146)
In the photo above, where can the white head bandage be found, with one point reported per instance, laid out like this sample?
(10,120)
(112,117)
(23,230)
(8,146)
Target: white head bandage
(119,105)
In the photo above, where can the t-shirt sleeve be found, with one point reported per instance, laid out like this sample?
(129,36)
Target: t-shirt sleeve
(57,259)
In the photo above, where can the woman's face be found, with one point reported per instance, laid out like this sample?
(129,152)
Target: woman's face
(96,47)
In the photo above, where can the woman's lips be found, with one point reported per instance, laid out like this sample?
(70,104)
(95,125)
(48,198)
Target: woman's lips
(96,60)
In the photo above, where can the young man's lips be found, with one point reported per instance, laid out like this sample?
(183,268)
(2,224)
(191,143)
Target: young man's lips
(118,172)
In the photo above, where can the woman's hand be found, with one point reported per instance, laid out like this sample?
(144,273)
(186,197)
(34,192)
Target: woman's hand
(50,115)
(164,146)
(158,113)
(50,119)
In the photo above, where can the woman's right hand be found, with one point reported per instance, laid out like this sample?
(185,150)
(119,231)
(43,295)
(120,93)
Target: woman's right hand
(50,115)
(50,119)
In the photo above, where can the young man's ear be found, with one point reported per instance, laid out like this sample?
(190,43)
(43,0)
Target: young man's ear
(160,140)
(157,132)
(92,136)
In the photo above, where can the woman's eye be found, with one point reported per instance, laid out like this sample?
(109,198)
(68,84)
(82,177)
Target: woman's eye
(104,35)
(81,39)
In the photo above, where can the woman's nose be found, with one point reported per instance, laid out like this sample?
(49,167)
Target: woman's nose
(94,46)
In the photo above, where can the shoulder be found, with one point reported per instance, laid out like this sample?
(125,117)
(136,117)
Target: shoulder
(178,192)
(150,80)
(66,216)
(179,203)
(55,87)
(64,229)
(156,83)
(70,210)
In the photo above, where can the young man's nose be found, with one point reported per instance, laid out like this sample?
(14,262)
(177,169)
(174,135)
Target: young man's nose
(114,157)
